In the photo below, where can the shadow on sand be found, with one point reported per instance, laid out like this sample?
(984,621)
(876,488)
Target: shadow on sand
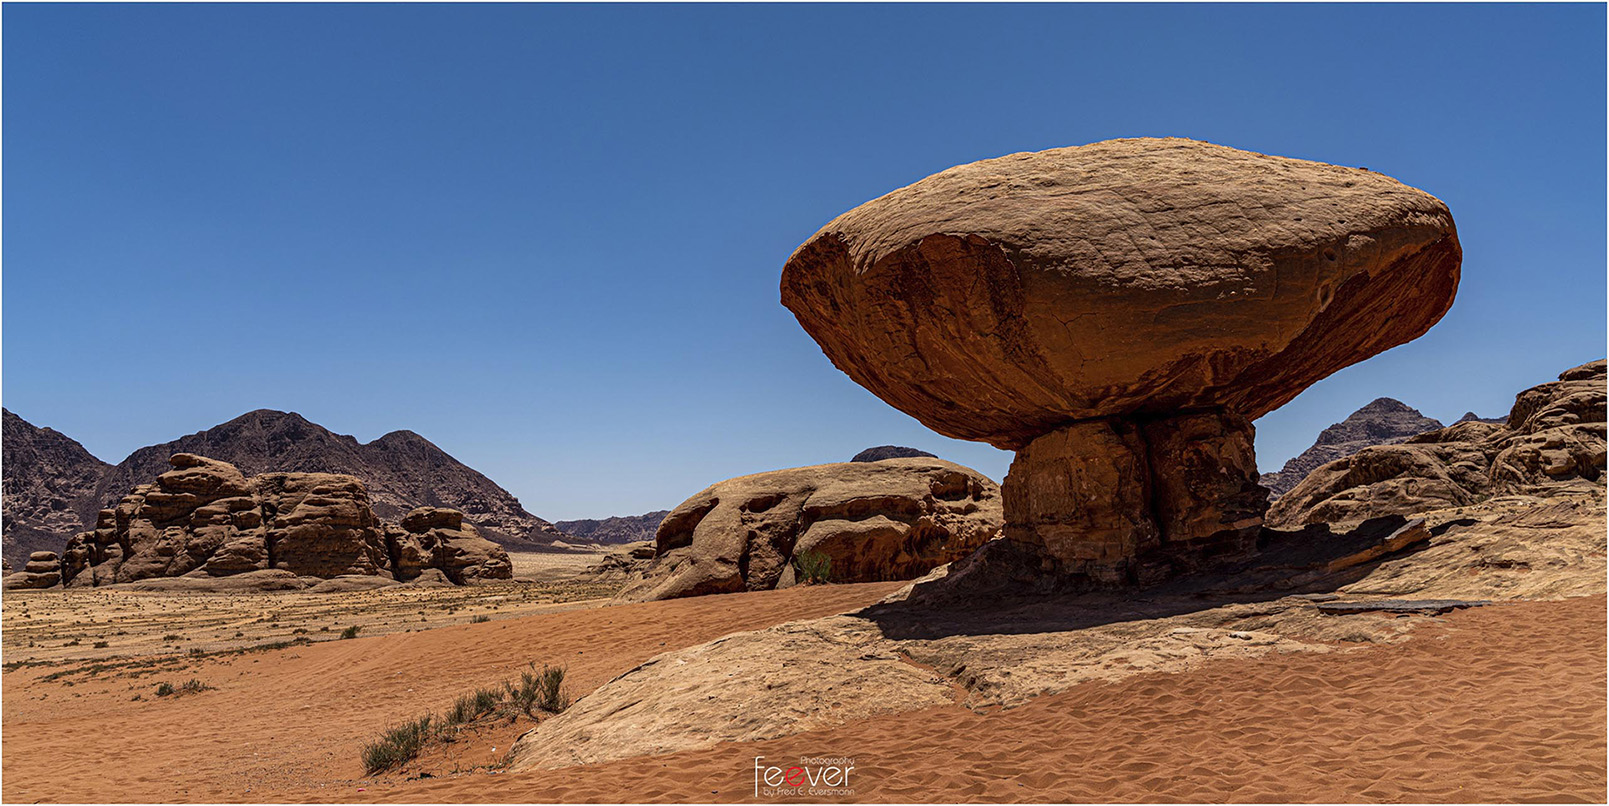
(1311,563)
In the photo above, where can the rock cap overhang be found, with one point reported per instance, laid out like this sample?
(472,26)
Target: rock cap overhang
(1003,299)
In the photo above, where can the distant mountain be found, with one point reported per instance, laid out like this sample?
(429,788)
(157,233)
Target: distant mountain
(402,470)
(46,473)
(1383,422)
(1469,416)
(627,529)
(882,452)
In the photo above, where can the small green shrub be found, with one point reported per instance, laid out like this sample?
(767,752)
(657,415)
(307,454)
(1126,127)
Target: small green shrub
(191,686)
(170,638)
(813,568)
(480,619)
(535,690)
(398,745)
(102,644)
(350,632)
(551,696)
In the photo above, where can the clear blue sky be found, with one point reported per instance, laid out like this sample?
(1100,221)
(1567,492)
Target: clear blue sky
(549,238)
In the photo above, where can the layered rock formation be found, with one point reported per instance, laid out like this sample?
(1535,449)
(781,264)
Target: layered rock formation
(46,474)
(894,519)
(1554,435)
(43,570)
(1383,422)
(204,518)
(624,563)
(616,530)
(401,470)
(1117,313)
(882,452)
(438,538)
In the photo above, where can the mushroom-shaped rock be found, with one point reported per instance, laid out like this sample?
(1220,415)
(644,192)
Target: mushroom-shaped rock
(1118,313)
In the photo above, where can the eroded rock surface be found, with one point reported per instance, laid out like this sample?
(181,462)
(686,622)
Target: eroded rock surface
(1543,539)
(43,570)
(204,518)
(429,537)
(401,470)
(1068,303)
(893,519)
(1002,299)
(911,652)
(1555,434)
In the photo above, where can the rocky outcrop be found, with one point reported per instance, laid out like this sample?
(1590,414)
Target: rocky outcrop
(908,653)
(204,518)
(1383,422)
(1472,416)
(1071,304)
(431,538)
(43,570)
(623,563)
(401,470)
(882,452)
(46,474)
(616,530)
(1553,436)
(893,519)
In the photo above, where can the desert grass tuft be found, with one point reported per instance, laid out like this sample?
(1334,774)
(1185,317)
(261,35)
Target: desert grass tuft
(535,691)
(398,745)
(191,686)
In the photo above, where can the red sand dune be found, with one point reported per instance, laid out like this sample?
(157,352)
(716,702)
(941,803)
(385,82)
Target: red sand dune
(1502,703)
(1505,703)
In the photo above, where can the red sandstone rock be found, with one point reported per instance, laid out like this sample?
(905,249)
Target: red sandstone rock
(1117,313)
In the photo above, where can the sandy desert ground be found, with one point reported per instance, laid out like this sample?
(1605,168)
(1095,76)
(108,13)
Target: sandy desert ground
(114,625)
(1499,703)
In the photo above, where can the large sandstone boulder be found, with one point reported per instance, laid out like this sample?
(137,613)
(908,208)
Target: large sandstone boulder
(1554,437)
(1118,313)
(429,537)
(205,519)
(886,520)
(43,570)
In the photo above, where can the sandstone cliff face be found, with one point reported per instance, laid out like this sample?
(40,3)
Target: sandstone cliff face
(46,474)
(1554,436)
(401,470)
(617,530)
(1383,422)
(205,518)
(894,519)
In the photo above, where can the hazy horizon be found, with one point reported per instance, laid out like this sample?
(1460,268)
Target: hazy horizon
(548,238)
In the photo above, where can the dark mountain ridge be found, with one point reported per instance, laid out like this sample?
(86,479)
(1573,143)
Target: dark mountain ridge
(1382,422)
(402,470)
(45,474)
(615,530)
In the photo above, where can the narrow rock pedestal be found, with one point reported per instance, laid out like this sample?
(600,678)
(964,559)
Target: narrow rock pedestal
(1120,500)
